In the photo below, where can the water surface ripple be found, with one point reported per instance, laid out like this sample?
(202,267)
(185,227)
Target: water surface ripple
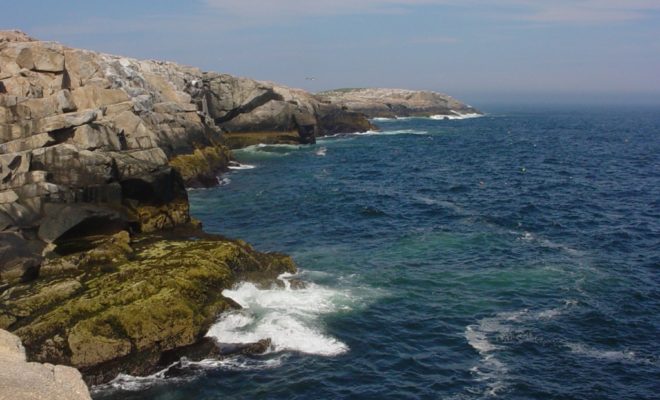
(511,256)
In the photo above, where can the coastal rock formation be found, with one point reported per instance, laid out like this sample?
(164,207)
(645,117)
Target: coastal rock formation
(20,380)
(123,137)
(101,265)
(124,304)
(392,103)
(264,112)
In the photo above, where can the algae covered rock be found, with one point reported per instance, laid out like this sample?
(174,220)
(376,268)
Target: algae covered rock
(201,168)
(120,315)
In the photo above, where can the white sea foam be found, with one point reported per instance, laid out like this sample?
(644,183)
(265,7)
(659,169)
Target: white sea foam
(530,237)
(455,116)
(269,150)
(136,383)
(623,356)
(223,181)
(393,132)
(480,336)
(291,318)
(132,383)
(490,370)
(321,151)
(238,166)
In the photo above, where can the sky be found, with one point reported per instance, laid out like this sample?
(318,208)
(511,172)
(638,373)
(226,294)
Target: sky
(477,50)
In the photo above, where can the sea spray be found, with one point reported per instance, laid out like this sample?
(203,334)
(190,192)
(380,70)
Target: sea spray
(291,318)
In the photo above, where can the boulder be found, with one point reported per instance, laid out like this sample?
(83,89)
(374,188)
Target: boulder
(48,57)
(20,259)
(20,380)
(68,120)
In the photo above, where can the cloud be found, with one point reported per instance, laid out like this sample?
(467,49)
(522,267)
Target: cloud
(555,11)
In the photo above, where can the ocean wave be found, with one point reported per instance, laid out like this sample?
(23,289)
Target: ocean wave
(193,369)
(234,165)
(137,383)
(393,132)
(455,116)
(269,150)
(291,318)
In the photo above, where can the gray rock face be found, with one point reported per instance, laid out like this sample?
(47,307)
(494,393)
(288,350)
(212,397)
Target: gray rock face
(252,106)
(20,380)
(81,130)
(391,103)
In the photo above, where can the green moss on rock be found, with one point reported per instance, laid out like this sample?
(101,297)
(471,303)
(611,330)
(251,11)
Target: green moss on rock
(119,313)
(200,168)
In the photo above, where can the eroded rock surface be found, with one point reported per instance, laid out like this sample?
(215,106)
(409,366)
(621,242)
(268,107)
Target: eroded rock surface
(391,103)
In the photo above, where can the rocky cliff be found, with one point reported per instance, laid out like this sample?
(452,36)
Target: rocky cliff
(114,136)
(392,103)
(101,265)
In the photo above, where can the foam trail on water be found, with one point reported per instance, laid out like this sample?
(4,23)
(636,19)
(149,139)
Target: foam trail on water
(291,318)
(482,337)
(613,356)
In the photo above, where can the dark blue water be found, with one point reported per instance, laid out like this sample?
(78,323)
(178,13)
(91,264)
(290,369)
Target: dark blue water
(514,256)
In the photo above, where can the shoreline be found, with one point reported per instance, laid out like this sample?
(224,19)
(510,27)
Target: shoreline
(103,268)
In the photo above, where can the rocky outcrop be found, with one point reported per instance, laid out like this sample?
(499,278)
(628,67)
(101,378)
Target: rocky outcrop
(20,380)
(122,305)
(241,105)
(101,266)
(85,144)
(392,103)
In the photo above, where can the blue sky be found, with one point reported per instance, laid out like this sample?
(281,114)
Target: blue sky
(479,50)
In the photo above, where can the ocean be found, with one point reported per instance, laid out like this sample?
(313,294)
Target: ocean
(512,256)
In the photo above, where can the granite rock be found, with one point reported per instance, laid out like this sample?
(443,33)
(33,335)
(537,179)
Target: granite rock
(392,103)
